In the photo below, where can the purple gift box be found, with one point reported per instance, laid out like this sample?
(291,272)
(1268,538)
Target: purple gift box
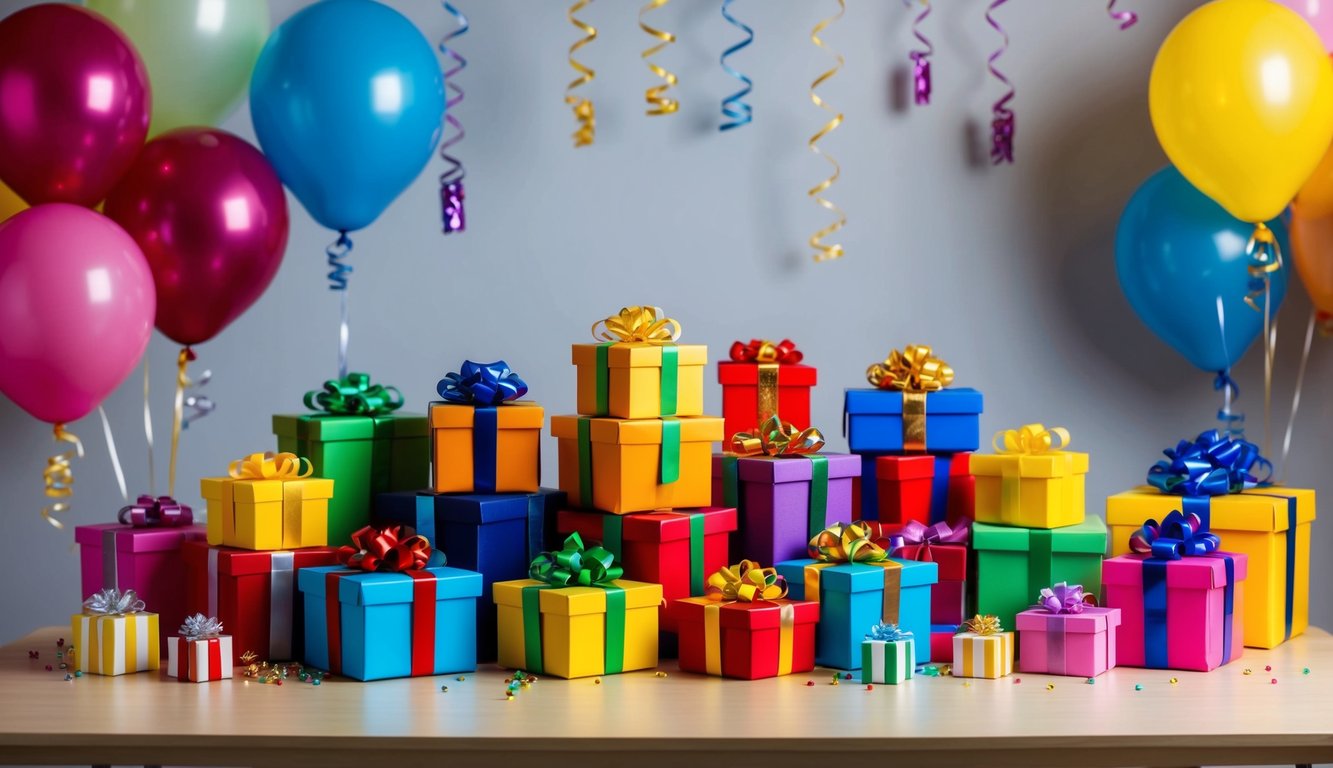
(773,497)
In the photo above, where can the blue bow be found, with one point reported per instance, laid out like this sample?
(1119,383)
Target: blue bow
(482,384)
(888,633)
(1213,465)
(1179,535)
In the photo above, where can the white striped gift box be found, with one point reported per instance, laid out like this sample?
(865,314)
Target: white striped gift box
(115,644)
(201,660)
(989,656)
(887,662)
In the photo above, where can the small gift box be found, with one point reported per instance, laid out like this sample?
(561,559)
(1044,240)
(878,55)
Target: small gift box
(744,628)
(1067,635)
(1029,481)
(391,608)
(621,466)
(896,490)
(945,546)
(268,502)
(888,655)
(114,635)
(910,409)
(857,586)
(637,370)
(603,626)
(482,441)
(360,443)
(983,649)
(1015,563)
(1181,599)
(763,379)
(200,652)
(1211,477)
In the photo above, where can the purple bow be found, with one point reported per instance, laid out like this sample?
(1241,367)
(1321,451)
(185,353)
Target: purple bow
(915,533)
(1064,598)
(151,512)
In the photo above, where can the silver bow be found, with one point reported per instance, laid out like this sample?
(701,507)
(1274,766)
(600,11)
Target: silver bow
(112,602)
(200,627)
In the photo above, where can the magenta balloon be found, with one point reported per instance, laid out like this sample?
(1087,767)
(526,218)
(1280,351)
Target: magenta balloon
(74,104)
(211,218)
(76,309)
(1320,15)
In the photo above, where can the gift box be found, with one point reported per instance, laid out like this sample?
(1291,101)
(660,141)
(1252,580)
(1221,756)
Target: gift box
(945,546)
(623,466)
(982,649)
(495,535)
(888,655)
(910,409)
(1064,635)
(637,370)
(268,502)
(114,635)
(783,501)
(486,450)
(1013,564)
(948,497)
(763,379)
(1030,482)
(200,652)
(145,559)
(253,594)
(941,642)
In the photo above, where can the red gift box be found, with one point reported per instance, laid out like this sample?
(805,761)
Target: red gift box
(947,595)
(740,394)
(747,638)
(941,643)
(253,594)
(906,490)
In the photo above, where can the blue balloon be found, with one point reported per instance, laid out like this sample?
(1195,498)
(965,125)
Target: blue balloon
(347,99)
(1182,264)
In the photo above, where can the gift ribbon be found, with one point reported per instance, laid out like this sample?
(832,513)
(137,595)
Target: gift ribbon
(1064,598)
(584,114)
(270,466)
(1002,122)
(735,111)
(1028,440)
(112,602)
(863,542)
(353,394)
(914,372)
(486,387)
(152,512)
(644,325)
(779,439)
(983,626)
(921,58)
(826,251)
(1290,596)
(613,541)
(451,181)
(1265,254)
(769,357)
(200,627)
(573,565)
(917,534)
(1213,464)
(388,549)
(746,582)
(888,633)
(668,462)
(658,102)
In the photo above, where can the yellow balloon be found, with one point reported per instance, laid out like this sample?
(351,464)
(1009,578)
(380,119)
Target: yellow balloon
(1241,96)
(10,203)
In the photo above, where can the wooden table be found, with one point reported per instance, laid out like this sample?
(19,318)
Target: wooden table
(641,720)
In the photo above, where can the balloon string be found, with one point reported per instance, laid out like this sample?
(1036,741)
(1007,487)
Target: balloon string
(111,451)
(735,111)
(182,382)
(921,57)
(1265,258)
(339,277)
(658,102)
(1002,119)
(59,475)
(451,181)
(584,113)
(1233,422)
(1127,19)
(1296,394)
(826,251)
(200,405)
(148,431)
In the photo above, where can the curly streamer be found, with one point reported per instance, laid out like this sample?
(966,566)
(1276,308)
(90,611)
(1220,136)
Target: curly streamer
(183,383)
(826,251)
(658,102)
(1126,19)
(582,105)
(735,111)
(199,404)
(59,475)
(1233,421)
(921,58)
(339,276)
(451,181)
(1002,121)
(1265,259)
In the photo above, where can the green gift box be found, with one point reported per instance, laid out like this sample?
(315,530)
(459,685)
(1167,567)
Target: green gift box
(1015,564)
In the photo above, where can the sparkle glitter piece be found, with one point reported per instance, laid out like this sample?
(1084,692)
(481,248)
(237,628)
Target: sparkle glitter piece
(68,677)
(1305,671)
(1174,680)
(1138,686)
(659,673)
(597,681)
(460,678)
(444,689)
(1018,680)
(1248,671)
(1091,681)
(870,687)
(809,683)
(1050,686)
(315,681)
(1268,668)
(1273,681)
(63,665)
(78,673)
(966,684)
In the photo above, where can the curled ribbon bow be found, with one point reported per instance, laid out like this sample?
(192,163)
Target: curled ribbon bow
(764,351)
(151,512)
(1213,465)
(387,549)
(1031,439)
(200,627)
(113,602)
(912,370)
(777,438)
(983,625)
(1065,598)
(353,394)
(888,633)
(1178,535)
(916,533)
(271,466)
(482,384)
(863,541)
(746,582)
(647,324)
(575,566)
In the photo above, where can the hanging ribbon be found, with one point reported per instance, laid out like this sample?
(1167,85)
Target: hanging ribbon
(112,602)
(764,351)
(156,512)
(1296,393)
(921,58)
(983,625)
(148,430)
(582,105)
(826,251)
(658,102)
(1030,439)
(746,582)
(113,454)
(200,627)
(270,466)
(888,633)
(352,395)
(482,384)
(1002,120)
(1233,422)
(864,541)
(197,405)
(388,550)
(1065,598)
(1265,258)
(778,438)
(183,383)
(451,181)
(915,369)
(1126,19)
(340,273)
(735,111)
(637,323)
(58,475)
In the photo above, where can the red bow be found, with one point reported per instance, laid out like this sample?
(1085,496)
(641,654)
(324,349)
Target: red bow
(388,549)
(761,351)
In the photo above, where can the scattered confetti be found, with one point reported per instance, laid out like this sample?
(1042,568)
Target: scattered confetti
(48,667)
(68,677)
(931,670)
(1268,668)
(1091,681)
(1018,681)
(33,654)
(848,676)
(1248,671)
(659,673)
(315,681)
(59,655)
(509,696)
(444,689)
(460,678)
(78,673)
(278,681)
(870,687)
(1050,686)
(595,680)
(1174,680)
(63,665)
(809,683)
(1305,671)
(1138,686)
(1273,681)
(966,684)
(60,642)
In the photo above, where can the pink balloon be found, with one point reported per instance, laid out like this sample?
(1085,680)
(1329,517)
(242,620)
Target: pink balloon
(1320,15)
(76,309)
(74,104)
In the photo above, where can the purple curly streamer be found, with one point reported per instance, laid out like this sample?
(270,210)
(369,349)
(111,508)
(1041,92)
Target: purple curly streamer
(1127,19)
(1002,121)
(921,58)
(451,181)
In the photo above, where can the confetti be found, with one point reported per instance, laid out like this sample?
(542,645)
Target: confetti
(1305,671)
(1268,668)
(444,689)
(315,681)
(848,676)
(33,654)
(460,678)
(509,697)
(595,680)
(966,684)
(1174,680)
(1050,686)
(78,673)
(63,665)
(809,683)
(59,655)
(48,667)
(61,642)
(1091,681)
(1138,686)
(870,687)
(659,673)
(68,677)
(1018,680)
(1248,671)
(1273,681)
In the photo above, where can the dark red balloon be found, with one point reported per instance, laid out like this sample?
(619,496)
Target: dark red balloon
(74,104)
(211,217)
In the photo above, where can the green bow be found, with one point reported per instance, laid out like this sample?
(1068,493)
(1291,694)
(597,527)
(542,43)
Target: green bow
(574,566)
(353,394)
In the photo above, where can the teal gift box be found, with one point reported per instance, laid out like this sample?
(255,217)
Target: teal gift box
(383,625)
(854,597)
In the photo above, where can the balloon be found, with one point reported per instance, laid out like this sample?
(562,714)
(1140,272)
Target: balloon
(1320,15)
(1181,261)
(211,218)
(198,53)
(347,99)
(1241,96)
(76,309)
(73,104)
(10,203)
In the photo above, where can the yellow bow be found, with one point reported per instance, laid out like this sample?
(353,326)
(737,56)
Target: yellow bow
(859,542)
(983,625)
(270,466)
(912,370)
(777,438)
(637,324)
(747,582)
(1031,439)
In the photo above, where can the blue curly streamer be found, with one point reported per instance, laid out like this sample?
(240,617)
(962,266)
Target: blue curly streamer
(734,108)
(338,270)
(452,215)
(1233,422)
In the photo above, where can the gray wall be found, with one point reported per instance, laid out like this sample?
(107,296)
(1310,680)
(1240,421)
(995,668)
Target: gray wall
(1007,271)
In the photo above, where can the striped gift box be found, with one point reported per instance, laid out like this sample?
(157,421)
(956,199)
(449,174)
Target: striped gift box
(115,644)
(887,662)
(199,660)
(989,656)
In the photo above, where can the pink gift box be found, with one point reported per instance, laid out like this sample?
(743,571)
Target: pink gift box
(1194,627)
(1075,644)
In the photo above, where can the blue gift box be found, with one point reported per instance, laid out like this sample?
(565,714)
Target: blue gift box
(874,419)
(851,601)
(379,631)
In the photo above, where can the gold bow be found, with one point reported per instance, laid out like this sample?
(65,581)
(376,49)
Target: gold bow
(912,370)
(777,438)
(746,582)
(983,625)
(647,324)
(271,466)
(1031,439)
(860,542)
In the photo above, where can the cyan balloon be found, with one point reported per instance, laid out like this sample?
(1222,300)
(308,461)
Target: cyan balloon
(347,99)
(1182,264)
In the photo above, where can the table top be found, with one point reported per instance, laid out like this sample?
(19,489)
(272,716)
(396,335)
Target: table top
(1222,717)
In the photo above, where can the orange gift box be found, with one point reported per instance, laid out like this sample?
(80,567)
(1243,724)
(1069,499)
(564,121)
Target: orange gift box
(485,450)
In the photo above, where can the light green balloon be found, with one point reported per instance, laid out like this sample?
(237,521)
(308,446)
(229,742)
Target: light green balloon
(199,53)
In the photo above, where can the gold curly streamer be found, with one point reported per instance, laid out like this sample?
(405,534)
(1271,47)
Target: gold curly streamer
(659,102)
(826,251)
(59,476)
(582,105)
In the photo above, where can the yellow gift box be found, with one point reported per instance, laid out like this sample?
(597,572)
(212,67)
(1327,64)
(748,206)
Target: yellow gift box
(268,502)
(1029,482)
(640,380)
(983,649)
(574,635)
(485,450)
(1269,525)
(621,466)
(115,644)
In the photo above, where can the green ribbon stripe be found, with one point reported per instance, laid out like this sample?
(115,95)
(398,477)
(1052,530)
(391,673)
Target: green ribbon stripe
(670,451)
(818,495)
(615,629)
(670,377)
(669,385)
(585,462)
(614,655)
(731,491)
(697,564)
(603,379)
(532,628)
(1040,560)
(612,525)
